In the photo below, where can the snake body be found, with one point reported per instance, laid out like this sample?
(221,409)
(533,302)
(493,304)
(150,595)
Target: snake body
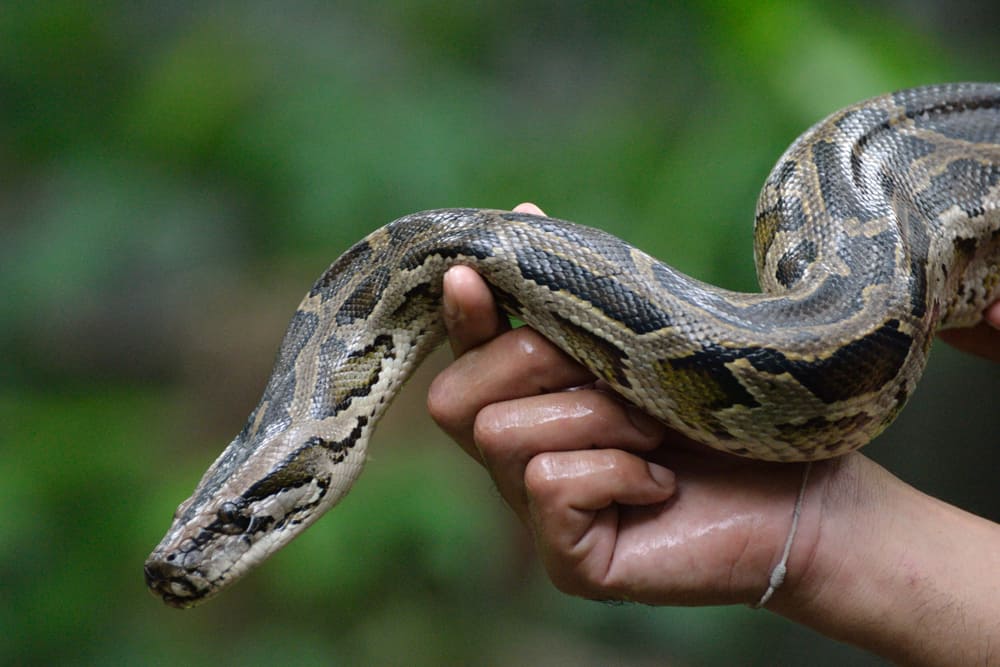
(878,226)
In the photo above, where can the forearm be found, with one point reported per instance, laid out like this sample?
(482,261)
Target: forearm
(895,571)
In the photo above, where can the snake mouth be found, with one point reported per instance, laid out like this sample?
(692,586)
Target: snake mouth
(172,584)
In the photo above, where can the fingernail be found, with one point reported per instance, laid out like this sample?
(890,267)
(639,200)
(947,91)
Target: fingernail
(664,477)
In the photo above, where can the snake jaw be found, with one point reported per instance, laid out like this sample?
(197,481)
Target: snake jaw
(176,586)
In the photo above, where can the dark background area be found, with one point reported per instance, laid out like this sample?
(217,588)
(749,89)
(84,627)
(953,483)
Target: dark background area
(173,177)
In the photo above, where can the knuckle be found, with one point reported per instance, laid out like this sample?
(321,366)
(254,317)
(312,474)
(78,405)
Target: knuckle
(443,402)
(488,428)
(538,478)
(535,354)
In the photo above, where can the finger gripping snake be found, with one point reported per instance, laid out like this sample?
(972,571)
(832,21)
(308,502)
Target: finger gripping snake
(877,227)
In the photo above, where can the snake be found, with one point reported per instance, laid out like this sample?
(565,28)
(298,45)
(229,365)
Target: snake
(878,226)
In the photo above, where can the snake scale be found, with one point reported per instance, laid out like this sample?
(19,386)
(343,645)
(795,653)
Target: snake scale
(877,227)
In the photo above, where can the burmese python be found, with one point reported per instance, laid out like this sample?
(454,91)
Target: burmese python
(878,226)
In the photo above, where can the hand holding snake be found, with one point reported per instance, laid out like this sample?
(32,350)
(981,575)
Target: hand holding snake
(860,524)
(594,479)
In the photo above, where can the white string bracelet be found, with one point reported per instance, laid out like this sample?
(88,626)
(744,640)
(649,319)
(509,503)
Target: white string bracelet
(781,569)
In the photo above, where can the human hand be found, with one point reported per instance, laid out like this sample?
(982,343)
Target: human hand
(623,508)
(620,506)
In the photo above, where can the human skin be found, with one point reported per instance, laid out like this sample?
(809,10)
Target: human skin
(623,508)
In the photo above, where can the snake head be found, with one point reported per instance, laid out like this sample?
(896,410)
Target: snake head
(244,509)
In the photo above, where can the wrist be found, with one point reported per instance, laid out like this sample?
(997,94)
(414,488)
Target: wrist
(888,568)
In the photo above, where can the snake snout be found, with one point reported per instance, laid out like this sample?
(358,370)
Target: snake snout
(170,583)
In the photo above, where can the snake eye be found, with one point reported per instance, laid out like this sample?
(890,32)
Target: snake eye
(231,513)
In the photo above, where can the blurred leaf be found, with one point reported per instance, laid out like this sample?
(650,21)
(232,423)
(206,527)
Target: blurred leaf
(192,93)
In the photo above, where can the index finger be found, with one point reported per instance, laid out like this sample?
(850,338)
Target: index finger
(471,316)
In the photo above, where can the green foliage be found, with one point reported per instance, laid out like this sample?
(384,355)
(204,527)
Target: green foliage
(172,168)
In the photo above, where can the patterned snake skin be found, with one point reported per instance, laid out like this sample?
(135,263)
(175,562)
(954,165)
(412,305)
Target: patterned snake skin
(877,227)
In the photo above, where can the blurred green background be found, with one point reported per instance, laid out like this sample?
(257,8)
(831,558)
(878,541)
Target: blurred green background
(173,177)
